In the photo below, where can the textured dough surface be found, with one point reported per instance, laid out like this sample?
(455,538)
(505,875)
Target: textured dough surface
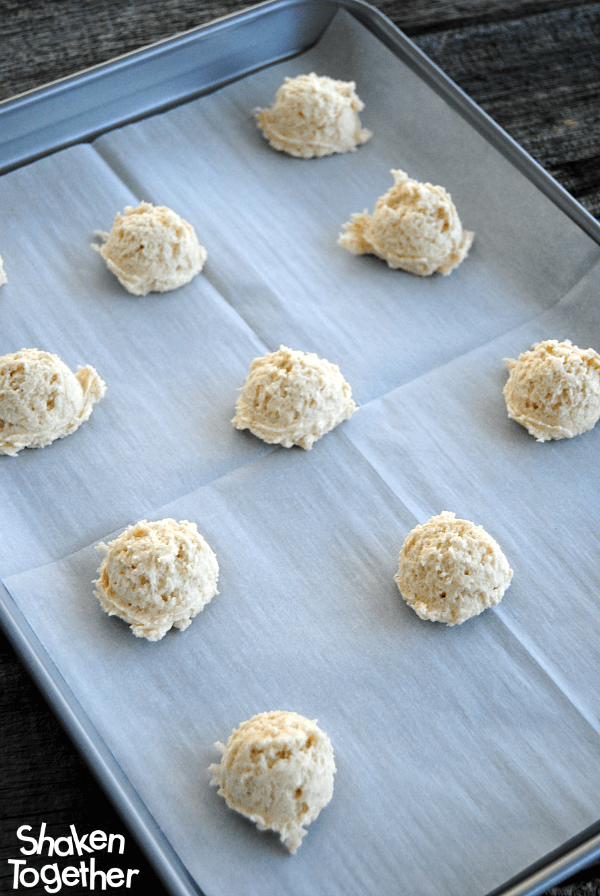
(156,576)
(553,390)
(314,116)
(414,226)
(293,398)
(450,570)
(151,249)
(277,770)
(41,400)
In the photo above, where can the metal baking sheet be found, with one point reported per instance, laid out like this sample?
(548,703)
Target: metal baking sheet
(464,755)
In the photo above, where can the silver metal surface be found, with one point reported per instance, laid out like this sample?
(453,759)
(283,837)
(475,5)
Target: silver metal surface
(79,108)
(142,83)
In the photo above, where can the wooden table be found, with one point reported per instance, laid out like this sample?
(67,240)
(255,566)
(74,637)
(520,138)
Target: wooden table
(532,65)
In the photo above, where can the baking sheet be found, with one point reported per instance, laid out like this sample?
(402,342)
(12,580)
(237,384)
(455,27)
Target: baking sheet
(463,754)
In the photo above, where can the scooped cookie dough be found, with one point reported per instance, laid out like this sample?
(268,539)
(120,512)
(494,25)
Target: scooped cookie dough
(450,570)
(414,226)
(293,398)
(553,390)
(41,400)
(3,277)
(277,770)
(314,116)
(151,249)
(156,576)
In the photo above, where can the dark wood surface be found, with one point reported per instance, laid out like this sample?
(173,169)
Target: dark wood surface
(534,66)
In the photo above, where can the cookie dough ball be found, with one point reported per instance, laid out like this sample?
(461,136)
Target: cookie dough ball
(553,390)
(293,398)
(414,226)
(151,249)
(314,116)
(157,575)
(3,277)
(41,400)
(277,770)
(450,570)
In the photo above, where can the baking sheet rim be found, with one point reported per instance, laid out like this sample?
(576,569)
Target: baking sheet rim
(575,854)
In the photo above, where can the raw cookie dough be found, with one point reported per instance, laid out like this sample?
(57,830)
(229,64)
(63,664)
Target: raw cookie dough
(314,116)
(42,400)
(553,390)
(151,249)
(3,277)
(450,570)
(157,575)
(293,398)
(277,770)
(414,226)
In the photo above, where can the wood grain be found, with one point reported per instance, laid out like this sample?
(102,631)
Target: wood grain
(532,65)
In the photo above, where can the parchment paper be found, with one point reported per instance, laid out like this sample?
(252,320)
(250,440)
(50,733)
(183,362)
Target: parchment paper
(463,753)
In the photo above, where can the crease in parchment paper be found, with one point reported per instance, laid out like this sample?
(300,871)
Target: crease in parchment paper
(476,745)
